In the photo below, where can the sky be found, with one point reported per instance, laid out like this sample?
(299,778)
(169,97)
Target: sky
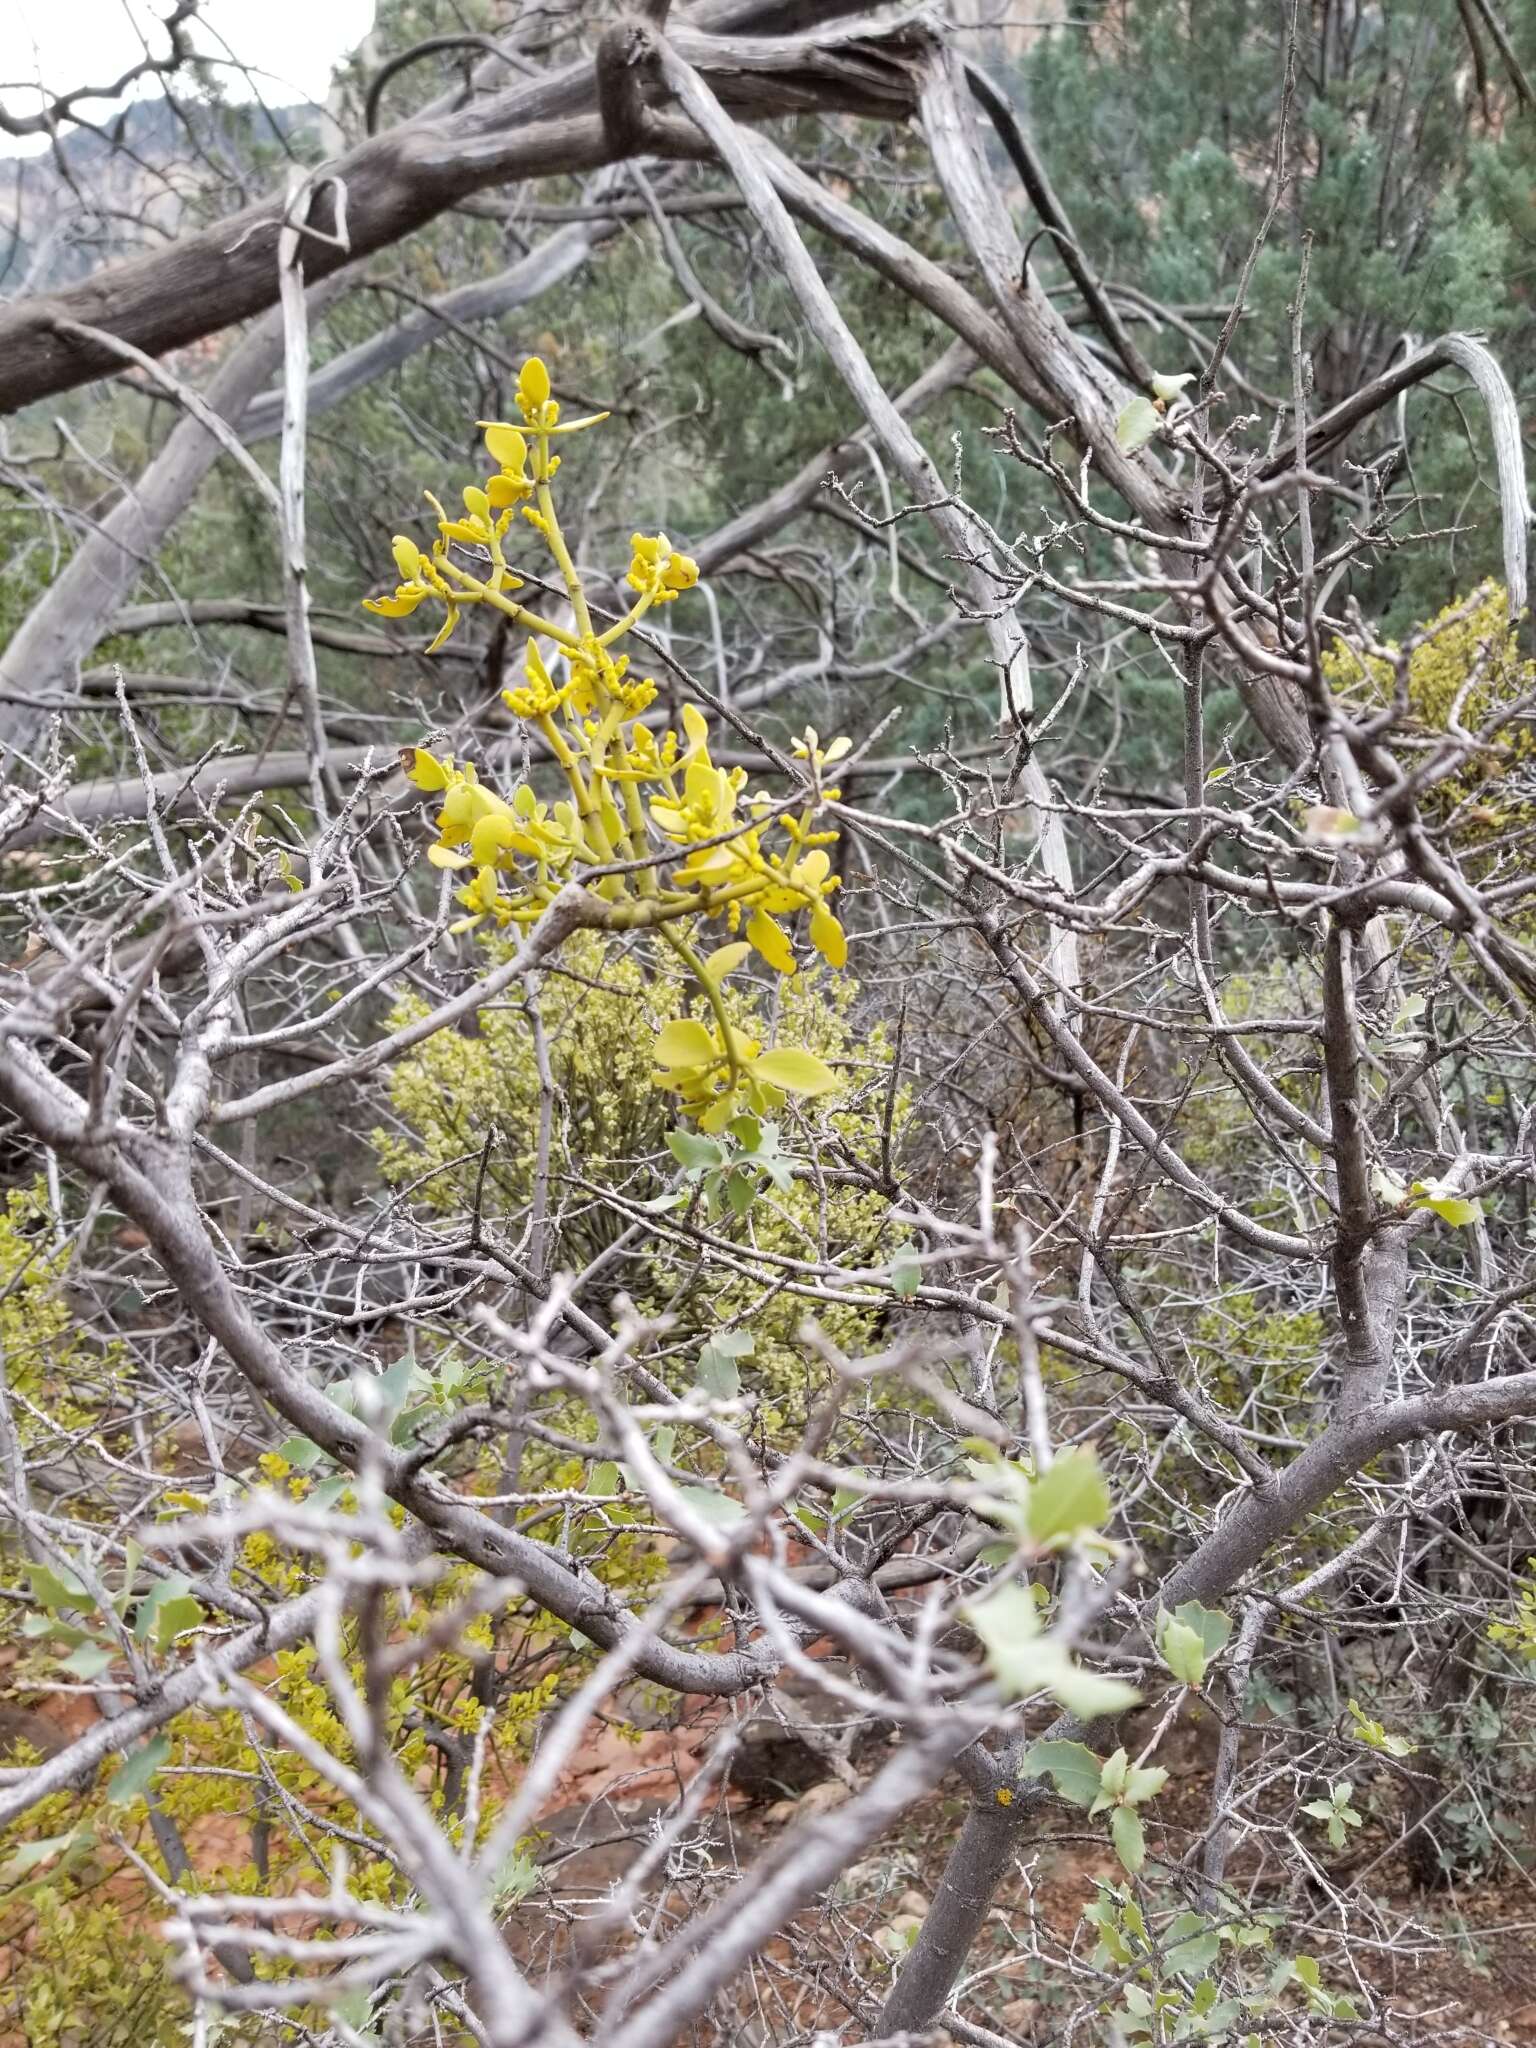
(68,43)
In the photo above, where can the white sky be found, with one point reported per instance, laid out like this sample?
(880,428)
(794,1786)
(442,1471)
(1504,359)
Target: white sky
(68,43)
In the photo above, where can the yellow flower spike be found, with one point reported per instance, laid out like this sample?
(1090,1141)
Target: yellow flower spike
(533,384)
(540,697)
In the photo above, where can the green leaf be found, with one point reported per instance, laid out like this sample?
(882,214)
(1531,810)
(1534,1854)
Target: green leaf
(1024,1660)
(796,1071)
(906,1273)
(603,1481)
(58,1590)
(1193,1945)
(695,1152)
(1375,1736)
(1137,424)
(1072,1768)
(1168,388)
(87,1660)
(174,1617)
(167,1610)
(1144,1783)
(1209,1623)
(1449,1207)
(1068,1497)
(1114,1773)
(685,1043)
(132,1776)
(1129,1838)
(740,1192)
(515,1878)
(719,1374)
(29,1854)
(712,1506)
(1182,1651)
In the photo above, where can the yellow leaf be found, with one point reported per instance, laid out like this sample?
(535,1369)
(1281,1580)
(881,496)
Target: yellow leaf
(828,937)
(770,941)
(796,1071)
(506,446)
(422,768)
(447,627)
(685,1043)
(726,959)
(490,835)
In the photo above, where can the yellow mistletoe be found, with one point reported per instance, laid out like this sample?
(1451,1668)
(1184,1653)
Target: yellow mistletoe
(663,837)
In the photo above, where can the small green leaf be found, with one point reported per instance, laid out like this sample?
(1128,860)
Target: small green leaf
(719,1374)
(1023,1659)
(1068,1497)
(1375,1736)
(58,1590)
(132,1776)
(28,1855)
(87,1660)
(1144,1783)
(1182,1651)
(1209,1623)
(712,1506)
(1137,424)
(1449,1207)
(906,1272)
(695,1152)
(603,1481)
(1193,1945)
(1114,1773)
(515,1878)
(1129,1838)
(167,1610)
(1072,1768)
(1168,388)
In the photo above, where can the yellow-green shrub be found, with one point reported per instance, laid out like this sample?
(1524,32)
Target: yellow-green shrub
(456,1094)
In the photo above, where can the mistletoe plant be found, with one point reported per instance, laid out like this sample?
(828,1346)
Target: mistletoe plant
(664,839)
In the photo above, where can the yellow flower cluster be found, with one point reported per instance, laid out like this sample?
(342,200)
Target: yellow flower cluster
(661,834)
